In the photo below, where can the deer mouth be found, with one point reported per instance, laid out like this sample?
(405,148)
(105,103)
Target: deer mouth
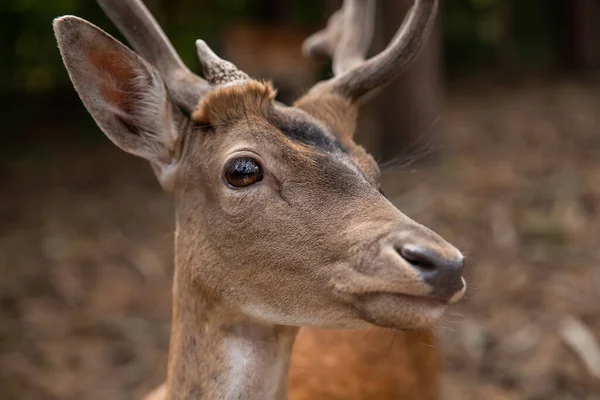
(399,303)
(401,311)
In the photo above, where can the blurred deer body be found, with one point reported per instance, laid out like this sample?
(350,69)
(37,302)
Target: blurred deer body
(280,221)
(273,52)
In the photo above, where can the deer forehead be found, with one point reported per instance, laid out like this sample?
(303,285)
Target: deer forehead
(230,103)
(249,106)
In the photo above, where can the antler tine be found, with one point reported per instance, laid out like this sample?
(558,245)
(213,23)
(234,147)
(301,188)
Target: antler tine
(358,78)
(347,37)
(147,38)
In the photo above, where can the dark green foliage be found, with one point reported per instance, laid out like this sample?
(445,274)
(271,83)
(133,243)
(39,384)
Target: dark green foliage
(477,33)
(499,33)
(35,91)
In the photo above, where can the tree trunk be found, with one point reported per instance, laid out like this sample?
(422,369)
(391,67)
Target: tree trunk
(581,34)
(409,107)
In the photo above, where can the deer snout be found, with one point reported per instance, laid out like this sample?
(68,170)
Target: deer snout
(440,266)
(406,278)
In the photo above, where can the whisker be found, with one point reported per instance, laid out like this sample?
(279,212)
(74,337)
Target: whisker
(419,148)
(433,346)
(408,157)
(446,328)
(393,340)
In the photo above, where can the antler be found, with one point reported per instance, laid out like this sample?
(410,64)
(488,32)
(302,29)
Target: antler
(147,38)
(348,36)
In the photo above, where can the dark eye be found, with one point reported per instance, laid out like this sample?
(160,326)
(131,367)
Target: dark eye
(244,171)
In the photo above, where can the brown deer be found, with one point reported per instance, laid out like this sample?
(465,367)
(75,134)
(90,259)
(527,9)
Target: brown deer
(280,220)
(273,51)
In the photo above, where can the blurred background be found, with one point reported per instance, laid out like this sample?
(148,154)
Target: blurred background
(492,139)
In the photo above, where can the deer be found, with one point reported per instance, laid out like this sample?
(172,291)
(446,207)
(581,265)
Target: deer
(272,50)
(284,239)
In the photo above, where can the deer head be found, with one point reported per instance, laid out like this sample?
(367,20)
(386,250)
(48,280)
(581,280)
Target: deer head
(279,214)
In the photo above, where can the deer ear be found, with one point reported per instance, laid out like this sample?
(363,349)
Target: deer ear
(124,94)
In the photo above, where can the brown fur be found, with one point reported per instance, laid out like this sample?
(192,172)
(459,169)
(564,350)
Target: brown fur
(312,244)
(364,364)
(360,365)
(118,71)
(340,115)
(229,104)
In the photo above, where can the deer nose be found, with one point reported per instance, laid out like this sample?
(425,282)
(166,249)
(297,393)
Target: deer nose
(442,272)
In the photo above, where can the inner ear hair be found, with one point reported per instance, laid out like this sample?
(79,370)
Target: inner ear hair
(124,94)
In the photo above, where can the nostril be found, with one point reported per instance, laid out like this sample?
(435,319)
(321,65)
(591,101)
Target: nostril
(417,258)
(443,274)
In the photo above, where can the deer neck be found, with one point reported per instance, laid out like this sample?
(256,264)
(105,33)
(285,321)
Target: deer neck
(215,353)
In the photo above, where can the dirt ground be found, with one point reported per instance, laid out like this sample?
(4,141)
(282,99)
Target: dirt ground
(86,254)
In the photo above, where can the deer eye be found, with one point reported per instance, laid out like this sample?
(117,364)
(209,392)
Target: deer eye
(244,171)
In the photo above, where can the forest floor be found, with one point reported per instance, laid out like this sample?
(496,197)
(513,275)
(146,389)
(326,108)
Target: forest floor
(86,254)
